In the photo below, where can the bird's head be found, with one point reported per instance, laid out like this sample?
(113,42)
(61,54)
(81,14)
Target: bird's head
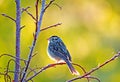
(54,39)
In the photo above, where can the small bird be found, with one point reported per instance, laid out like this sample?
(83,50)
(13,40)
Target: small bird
(58,52)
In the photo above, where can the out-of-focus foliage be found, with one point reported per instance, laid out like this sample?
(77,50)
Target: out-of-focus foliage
(90,29)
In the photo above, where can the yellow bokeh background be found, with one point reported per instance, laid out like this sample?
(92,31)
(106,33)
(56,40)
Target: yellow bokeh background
(90,29)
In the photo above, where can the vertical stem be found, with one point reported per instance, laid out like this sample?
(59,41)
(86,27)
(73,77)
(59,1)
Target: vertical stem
(36,5)
(18,18)
(38,25)
(41,17)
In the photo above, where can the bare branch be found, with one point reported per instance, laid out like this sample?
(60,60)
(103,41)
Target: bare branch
(33,70)
(22,27)
(83,69)
(18,48)
(7,78)
(7,70)
(37,31)
(55,25)
(12,57)
(36,7)
(21,72)
(30,15)
(49,4)
(57,6)
(8,17)
(34,54)
(52,65)
(95,69)
(9,65)
(25,9)
(93,78)
(44,68)
(36,23)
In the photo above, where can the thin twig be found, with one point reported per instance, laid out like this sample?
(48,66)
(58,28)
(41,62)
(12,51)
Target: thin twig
(36,7)
(7,70)
(34,54)
(6,75)
(93,78)
(21,72)
(33,70)
(55,25)
(36,23)
(57,6)
(83,69)
(95,69)
(8,17)
(9,65)
(7,78)
(79,67)
(3,75)
(12,57)
(22,27)
(24,9)
(30,14)
(10,71)
(49,4)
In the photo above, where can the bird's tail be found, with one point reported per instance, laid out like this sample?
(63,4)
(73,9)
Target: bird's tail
(72,69)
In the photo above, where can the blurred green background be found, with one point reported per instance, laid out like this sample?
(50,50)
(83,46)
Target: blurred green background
(90,29)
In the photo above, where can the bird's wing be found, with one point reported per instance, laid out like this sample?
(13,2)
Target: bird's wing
(59,49)
(64,50)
